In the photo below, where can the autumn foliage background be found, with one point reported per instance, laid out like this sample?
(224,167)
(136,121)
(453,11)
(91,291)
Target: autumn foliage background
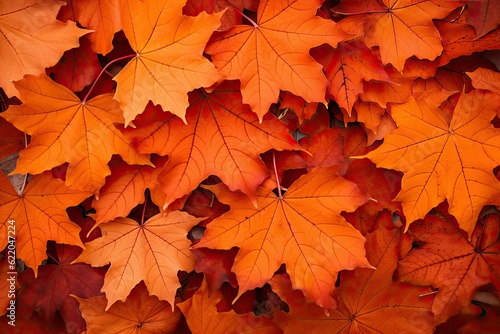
(241,165)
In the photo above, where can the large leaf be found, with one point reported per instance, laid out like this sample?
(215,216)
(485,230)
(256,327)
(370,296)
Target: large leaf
(446,260)
(152,252)
(369,300)
(139,313)
(400,28)
(38,215)
(31,39)
(273,54)
(222,137)
(202,316)
(303,230)
(65,129)
(169,61)
(444,160)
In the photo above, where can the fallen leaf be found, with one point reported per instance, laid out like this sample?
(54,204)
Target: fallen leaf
(400,28)
(259,57)
(369,300)
(202,316)
(139,313)
(31,39)
(287,231)
(39,215)
(152,252)
(347,67)
(448,261)
(77,68)
(65,129)
(124,189)
(49,292)
(485,79)
(444,160)
(168,61)
(101,16)
(222,137)
(483,15)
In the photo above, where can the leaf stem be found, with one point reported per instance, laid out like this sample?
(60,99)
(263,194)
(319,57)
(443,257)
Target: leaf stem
(104,70)
(277,177)
(25,175)
(255,25)
(144,208)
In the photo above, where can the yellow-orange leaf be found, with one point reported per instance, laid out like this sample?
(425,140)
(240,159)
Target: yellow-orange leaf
(222,137)
(169,61)
(304,230)
(38,215)
(102,16)
(401,28)
(140,313)
(442,160)
(274,54)
(153,252)
(202,316)
(31,39)
(64,129)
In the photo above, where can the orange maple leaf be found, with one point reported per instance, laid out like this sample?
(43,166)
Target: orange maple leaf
(298,105)
(304,230)
(152,252)
(485,79)
(446,260)
(202,316)
(124,189)
(400,28)
(369,300)
(65,129)
(444,160)
(101,16)
(273,54)
(346,68)
(169,61)
(140,313)
(31,39)
(222,138)
(38,215)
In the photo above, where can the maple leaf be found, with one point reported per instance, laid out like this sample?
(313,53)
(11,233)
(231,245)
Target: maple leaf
(304,230)
(124,189)
(369,301)
(485,79)
(11,139)
(222,138)
(400,28)
(152,252)
(298,105)
(65,129)
(139,313)
(273,53)
(39,215)
(346,68)
(444,160)
(483,15)
(49,292)
(169,61)
(448,261)
(77,68)
(101,16)
(460,39)
(31,39)
(202,316)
